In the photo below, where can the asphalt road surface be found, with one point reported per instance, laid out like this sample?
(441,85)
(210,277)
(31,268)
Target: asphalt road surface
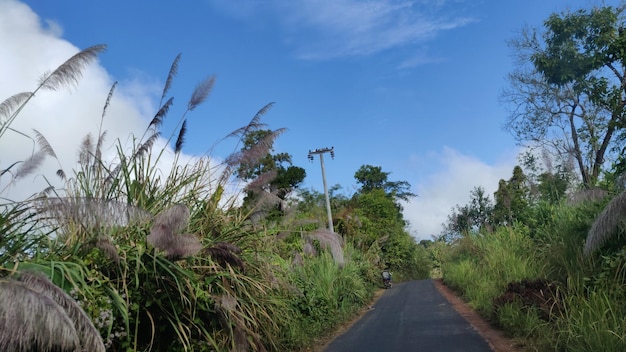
(410,316)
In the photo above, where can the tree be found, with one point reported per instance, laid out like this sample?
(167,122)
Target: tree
(569,90)
(474,216)
(511,199)
(372,177)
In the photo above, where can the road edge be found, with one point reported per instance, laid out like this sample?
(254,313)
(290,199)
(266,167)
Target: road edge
(494,337)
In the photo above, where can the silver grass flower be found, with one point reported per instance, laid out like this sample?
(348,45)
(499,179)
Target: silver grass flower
(261,181)
(85,151)
(254,124)
(332,241)
(157,120)
(89,336)
(165,233)
(201,92)
(98,154)
(71,70)
(170,78)
(309,249)
(30,165)
(43,144)
(181,137)
(108,102)
(606,224)
(90,212)
(12,103)
(184,246)
(36,315)
(31,321)
(224,256)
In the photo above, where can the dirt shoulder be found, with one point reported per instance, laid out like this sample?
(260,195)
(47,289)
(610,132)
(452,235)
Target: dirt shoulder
(496,339)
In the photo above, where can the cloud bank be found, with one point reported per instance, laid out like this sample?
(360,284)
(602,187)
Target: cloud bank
(32,47)
(457,175)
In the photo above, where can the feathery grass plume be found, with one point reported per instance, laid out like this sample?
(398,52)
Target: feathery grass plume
(61,174)
(331,240)
(181,137)
(104,244)
(170,78)
(174,218)
(256,152)
(164,233)
(98,153)
(29,165)
(90,212)
(157,120)
(224,256)
(228,246)
(202,91)
(12,103)
(43,144)
(32,321)
(297,259)
(101,133)
(146,146)
(606,224)
(85,151)
(71,70)
(261,181)
(107,103)
(89,336)
(185,245)
(309,249)
(254,124)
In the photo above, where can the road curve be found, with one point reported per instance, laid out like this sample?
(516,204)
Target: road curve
(410,316)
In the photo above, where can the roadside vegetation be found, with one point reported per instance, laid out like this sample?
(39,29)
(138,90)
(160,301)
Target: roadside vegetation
(545,258)
(132,253)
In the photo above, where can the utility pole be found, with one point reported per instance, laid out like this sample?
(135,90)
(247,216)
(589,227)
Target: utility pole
(321,152)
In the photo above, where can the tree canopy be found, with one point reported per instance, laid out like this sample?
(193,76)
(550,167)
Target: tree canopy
(569,90)
(373,177)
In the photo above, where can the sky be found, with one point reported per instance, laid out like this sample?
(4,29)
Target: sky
(411,86)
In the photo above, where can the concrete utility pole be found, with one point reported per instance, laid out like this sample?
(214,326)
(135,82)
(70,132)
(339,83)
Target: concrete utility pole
(321,152)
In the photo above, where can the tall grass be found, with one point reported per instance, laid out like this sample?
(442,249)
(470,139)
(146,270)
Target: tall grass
(594,322)
(160,256)
(482,266)
(325,295)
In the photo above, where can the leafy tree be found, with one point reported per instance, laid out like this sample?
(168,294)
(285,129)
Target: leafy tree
(474,216)
(569,90)
(372,177)
(511,199)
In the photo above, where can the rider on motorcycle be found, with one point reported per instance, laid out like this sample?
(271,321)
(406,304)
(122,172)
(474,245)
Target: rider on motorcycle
(386,277)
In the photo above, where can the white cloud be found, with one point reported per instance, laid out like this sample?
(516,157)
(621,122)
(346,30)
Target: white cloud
(326,29)
(457,175)
(30,48)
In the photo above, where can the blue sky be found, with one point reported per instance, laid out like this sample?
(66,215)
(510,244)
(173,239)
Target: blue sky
(411,86)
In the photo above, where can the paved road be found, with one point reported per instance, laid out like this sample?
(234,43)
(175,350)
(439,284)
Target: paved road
(411,316)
